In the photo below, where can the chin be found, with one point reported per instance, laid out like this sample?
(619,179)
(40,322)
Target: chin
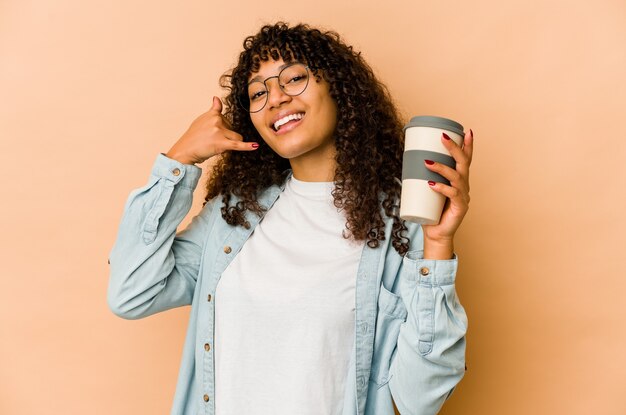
(288,153)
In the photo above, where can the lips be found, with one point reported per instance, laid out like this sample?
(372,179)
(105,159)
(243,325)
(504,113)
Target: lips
(285,118)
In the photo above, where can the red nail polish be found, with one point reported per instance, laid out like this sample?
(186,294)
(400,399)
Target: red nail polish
(429,162)
(431,183)
(471,133)
(255,145)
(446,136)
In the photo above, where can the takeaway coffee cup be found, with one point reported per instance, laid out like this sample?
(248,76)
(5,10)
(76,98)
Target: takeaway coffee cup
(418,202)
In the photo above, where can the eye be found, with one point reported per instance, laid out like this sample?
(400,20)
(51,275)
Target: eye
(257,95)
(297,78)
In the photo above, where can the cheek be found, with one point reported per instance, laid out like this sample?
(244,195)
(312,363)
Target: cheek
(257,122)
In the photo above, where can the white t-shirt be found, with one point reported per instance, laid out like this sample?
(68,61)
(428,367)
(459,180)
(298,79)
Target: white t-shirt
(284,310)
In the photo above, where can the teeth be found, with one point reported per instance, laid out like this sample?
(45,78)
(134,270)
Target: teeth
(286,119)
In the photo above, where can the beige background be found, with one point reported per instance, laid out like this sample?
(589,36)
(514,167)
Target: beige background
(91,92)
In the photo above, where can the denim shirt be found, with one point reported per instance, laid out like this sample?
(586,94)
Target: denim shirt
(409,325)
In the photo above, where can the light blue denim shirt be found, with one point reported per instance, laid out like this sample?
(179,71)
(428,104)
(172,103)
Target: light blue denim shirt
(409,325)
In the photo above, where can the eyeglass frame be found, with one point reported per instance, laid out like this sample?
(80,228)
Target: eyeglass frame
(267,97)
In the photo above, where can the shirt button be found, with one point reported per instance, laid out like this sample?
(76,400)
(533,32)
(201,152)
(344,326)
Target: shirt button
(209,297)
(176,171)
(424,271)
(364,328)
(207,346)
(228,249)
(206,398)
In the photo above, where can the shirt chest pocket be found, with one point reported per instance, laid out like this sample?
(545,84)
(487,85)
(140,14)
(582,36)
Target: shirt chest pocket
(391,314)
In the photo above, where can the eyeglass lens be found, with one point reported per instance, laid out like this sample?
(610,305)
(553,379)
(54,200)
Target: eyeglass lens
(292,79)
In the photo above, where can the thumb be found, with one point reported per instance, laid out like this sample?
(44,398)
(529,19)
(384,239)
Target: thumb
(217,105)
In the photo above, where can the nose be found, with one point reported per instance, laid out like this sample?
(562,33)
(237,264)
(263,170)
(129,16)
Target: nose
(275,94)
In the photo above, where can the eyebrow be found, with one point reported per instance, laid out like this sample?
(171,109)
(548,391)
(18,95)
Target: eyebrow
(258,77)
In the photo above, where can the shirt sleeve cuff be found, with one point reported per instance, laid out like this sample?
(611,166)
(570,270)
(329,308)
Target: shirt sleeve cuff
(187,175)
(431,272)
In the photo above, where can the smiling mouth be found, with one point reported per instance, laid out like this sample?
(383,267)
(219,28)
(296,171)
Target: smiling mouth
(291,118)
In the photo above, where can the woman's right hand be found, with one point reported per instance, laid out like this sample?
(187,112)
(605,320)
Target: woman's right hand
(207,136)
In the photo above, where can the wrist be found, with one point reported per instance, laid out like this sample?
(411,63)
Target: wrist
(179,157)
(438,249)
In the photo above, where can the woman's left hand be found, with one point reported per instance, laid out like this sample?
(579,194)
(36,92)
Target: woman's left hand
(439,239)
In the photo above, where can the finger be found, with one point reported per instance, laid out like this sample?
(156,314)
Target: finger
(455,195)
(456,152)
(455,177)
(240,146)
(216,106)
(468,149)
(468,146)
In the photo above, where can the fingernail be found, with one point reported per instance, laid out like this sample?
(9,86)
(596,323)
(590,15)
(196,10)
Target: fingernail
(254,145)
(446,136)
(471,133)
(431,183)
(429,162)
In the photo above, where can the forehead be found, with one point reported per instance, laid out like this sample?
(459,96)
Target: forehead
(268,68)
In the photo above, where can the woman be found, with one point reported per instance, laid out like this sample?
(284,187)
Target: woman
(309,295)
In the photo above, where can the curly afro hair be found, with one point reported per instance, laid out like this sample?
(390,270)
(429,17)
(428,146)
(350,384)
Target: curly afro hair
(369,138)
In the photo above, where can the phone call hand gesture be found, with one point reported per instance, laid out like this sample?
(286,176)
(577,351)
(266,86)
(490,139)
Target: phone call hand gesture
(208,135)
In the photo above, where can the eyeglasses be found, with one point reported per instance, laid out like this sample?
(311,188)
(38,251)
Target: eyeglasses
(292,80)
